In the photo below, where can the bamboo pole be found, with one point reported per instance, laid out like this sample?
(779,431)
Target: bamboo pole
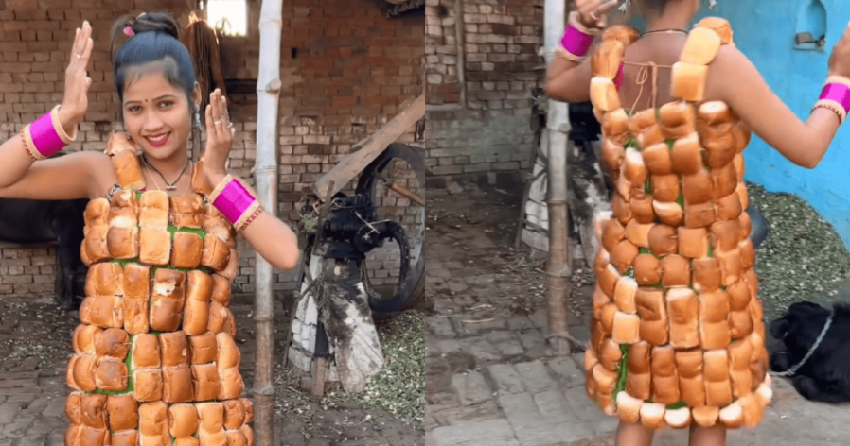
(557,124)
(268,91)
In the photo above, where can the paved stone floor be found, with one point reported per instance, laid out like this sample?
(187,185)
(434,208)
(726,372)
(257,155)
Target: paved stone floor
(491,378)
(35,344)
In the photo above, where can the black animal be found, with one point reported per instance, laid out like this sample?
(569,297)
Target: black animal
(825,377)
(27,221)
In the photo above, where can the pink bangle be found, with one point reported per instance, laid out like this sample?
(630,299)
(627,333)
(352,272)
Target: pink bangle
(835,96)
(576,41)
(235,203)
(46,135)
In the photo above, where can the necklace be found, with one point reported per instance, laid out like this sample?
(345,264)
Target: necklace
(168,186)
(666,31)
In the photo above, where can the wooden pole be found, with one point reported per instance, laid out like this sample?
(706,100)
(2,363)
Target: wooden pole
(557,124)
(268,91)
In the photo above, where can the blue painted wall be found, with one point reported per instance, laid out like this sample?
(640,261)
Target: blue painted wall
(764,31)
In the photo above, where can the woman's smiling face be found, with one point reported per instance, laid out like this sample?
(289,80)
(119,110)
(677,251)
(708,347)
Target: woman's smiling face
(156,115)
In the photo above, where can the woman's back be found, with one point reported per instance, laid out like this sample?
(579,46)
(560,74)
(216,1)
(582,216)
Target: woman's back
(653,54)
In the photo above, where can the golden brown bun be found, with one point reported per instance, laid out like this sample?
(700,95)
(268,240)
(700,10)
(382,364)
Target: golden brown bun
(105,313)
(199,183)
(688,81)
(85,338)
(728,207)
(601,261)
(598,301)
(187,250)
(638,234)
(612,234)
(612,154)
(229,325)
(641,209)
(136,282)
(685,156)
(620,209)
(635,167)
(607,320)
(698,188)
(720,152)
(166,314)
(699,215)
(611,355)
(626,328)
(714,114)
(113,342)
(701,46)
(107,279)
(742,381)
(650,136)
(606,59)
(730,266)
(93,410)
(683,312)
(153,210)
(626,35)
(123,217)
(174,349)
(689,366)
(652,415)
(186,441)
(605,379)
(725,234)
(85,310)
(125,198)
(713,334)
(147,385)
(146,352)
(206,382)
(177,384)
(228,353)
(126,438)
(217,317)
(639,366)
(678,418)
(753,410)
(678,116)
(741,323)
(72,407)
(232,269)
(196,317)
(187,212)
(203,348)
(657,159)
(212,418)
(628,407)
(136,316)
(642,120)
(221,290)
(84,254)
(706,274)
(615,122)
(705,416)
(199,286)
(169,284)
(669,212)
(739,296)
(603,94)
(96,213)
(732,416)
(650,304)
(748,253)
(608,280)
(623,255)
(220,228)
(663,240)
(127,170)
(236,438)
(624,294)
(647,269)
(745,226)
(92,436)
(70,369)
(216,254)
(153,419)
(95,244)
(123,412)
(718,388)
(665,187)
(719,26)
(741,190)
(234,414)
(725,180)
(154,247)
(665,378)
(182,420)
(693,243)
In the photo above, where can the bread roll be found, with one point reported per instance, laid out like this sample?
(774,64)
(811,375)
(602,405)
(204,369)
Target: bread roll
(169,284)
(113,342)
(203,348)
(638,234)
(739,166)
(621,33)
(92,436)
(196,317)
(678,418)
(154,247)
(720,151)
(122,243)
(177,384)
(663,240)
(136,316)
(231,271)
(96,213)
(651,308)
(714,334)
(105,314)
(70,369)
(228,352)
(123,217)
(647,269)
(683,314)
(146,352)
(613,155)
(236,438)
(732,416)
(605,379)
(642,120)
(72,435)
(216,254)
(685,156)
(85,338)
(620,209)
(166,314)
(206,382)
(749,277)
(651,136)
(701,46)
(628,407)
(641,209)
(763,394)
(652,415)
(665,377)
(719,26)
(603,94)
(199,286)
(601,260)
(725,180)
(705,416)
(688,81)
(187,250)
(658,160)
(153,210)
(234,414)
(153,419)
(693,243)
(743,195)
(615,123)
(85,310)
(699,215)
(626,328)
(126,438)
(623,255)
(747,252)
(624,295)
(73,408)
(678,115)
(741,323)
(136,282)
(725,234)
(123,412)
(128,171)
(730,266)
(147,385)
(706,274)
(610,354)
(676,271)
(187,441)
(612,234)
(600,222)
(606,59)
(753,410)
(669,212)
(729,207)
(212,418)
(745,226)
(718,389)
(217,317)
(182,420)
(221,290)
(599,301)
(689,365)
(106,280)
(173,349)
(697,188)
(187,212)
(635,167)
(714,307)
(93,410)
(199,182)
(638,379)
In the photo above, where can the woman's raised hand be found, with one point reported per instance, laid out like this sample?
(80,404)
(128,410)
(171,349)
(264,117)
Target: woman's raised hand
(839,60)
(594,13)
(219,139)
(77,82)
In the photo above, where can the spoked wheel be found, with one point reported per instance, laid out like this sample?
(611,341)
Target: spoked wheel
(411,286)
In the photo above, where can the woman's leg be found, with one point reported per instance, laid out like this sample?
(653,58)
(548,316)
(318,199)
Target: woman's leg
(708,436)
(633,434)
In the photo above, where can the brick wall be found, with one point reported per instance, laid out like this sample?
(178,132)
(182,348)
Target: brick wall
(481,64)
(345,69)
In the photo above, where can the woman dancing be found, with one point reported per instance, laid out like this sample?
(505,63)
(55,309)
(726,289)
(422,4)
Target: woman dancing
(678,337)
(155,360)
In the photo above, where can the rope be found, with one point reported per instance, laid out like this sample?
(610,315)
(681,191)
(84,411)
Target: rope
(793,370)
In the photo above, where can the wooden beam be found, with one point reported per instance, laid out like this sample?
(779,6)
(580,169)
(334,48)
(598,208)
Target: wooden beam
(368,149)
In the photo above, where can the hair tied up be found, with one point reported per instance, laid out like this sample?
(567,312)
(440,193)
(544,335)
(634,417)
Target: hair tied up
(128,31)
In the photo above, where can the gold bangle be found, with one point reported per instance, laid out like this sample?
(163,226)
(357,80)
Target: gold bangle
(57,124)
(562,53)
(259,209)
(832,106)
(27,145)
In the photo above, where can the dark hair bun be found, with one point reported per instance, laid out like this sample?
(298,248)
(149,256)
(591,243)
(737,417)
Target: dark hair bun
(156,21)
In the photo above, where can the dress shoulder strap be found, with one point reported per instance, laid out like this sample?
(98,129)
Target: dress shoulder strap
(701,48)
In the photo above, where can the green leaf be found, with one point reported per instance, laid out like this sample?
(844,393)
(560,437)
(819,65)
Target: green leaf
(622,374)
(678,405)
(670,143)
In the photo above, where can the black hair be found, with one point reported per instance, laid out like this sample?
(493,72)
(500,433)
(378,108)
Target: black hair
(155,37)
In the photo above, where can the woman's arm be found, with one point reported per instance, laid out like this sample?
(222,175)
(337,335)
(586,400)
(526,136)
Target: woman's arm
(569,81)
(83,174)
(274,241)
(737,82)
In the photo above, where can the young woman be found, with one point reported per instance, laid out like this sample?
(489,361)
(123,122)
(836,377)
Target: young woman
(155,81)
(677,337)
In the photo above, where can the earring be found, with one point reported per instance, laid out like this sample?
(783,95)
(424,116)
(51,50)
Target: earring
(198,124)
(712,4)
(624,8)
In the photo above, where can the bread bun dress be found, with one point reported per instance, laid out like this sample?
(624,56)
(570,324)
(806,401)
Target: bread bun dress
(155,361)
(678,337)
